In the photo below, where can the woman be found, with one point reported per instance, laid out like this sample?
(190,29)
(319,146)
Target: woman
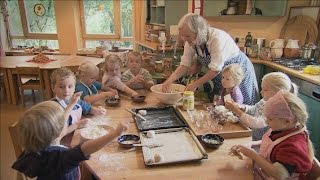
(214,49)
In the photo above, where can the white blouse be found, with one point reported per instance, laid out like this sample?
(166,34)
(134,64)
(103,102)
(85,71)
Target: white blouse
(220,45)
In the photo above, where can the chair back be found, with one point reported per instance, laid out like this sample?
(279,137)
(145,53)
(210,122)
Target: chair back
(13,130)
(74,69)
(30,73)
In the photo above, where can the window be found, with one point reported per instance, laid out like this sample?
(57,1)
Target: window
(107,23)
(32,23)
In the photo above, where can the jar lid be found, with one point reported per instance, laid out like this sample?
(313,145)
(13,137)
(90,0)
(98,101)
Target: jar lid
(188,92)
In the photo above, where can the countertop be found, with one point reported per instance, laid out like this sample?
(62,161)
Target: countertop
(155,46)
(315,79)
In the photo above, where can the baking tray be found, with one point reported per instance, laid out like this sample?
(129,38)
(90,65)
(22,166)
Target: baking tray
(178,145)
(229,130)
(159,118)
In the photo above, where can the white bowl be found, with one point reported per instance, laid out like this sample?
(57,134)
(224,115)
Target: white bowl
(168,98)
(94,132)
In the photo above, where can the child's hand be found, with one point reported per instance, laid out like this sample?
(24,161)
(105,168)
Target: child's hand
(108,94)
(75,98)
(114,91)
(122,126)
(82,123)
(101,111)
(247,151)
(231,105)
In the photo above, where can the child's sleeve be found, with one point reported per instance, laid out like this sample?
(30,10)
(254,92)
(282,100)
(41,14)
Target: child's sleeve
(98,85)
(125,77)
(146,75)
(80,87)
(86,107)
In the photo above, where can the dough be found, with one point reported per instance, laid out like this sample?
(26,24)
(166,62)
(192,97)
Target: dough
(142,112)
(158,157)
(151,134)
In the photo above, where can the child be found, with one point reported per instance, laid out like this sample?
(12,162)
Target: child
(87,83)
(252,116)
(136,77)
(286,151)
(63,84)
(40,130)
(194,74)
(111,79)
(231,77)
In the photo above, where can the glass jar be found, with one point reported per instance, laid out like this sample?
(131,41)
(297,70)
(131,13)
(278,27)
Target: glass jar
(188,100)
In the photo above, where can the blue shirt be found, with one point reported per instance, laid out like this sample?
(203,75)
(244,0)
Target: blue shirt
(86,89)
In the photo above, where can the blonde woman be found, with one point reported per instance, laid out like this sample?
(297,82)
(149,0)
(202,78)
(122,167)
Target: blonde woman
(252,116)
(41,129)
(286,151)
(89,86)
(214,49)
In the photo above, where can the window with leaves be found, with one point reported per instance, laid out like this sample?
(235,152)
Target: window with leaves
(32,23)
(107,23)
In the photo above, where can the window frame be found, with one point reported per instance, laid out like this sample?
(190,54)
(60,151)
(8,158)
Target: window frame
(25,29)
(117,23)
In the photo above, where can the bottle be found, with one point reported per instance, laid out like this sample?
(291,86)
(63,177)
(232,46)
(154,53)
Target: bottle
(188,100)
(248,42)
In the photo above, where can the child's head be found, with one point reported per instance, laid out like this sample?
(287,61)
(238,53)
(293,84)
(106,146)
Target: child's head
(232,75)
(41,125)
(285,110)
(134,62)
(274,82)
(63,83)
(112,65)
(195,66)
(88,73)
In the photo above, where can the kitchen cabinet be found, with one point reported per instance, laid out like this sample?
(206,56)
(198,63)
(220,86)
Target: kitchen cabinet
(165,12)
(268,8)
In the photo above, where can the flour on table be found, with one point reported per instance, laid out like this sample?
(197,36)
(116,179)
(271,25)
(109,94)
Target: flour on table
(112,163)
(93,132)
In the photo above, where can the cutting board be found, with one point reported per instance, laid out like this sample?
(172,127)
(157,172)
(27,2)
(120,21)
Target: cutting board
(229,130)
(302,28)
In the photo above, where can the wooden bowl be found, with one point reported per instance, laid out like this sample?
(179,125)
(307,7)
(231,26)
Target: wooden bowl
(128,140)
(138,99)
(212,140)
(112,102)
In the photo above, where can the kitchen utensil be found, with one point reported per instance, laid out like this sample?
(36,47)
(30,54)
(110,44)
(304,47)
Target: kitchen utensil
(170,97)
(128,140)
(276,52)
(138,99)
(212,140)
(135,114)
(277,43)
(147,145)
(292,50)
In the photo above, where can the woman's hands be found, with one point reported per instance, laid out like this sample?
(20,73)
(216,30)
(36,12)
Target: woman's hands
(166,86)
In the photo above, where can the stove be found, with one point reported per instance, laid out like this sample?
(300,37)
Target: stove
(296,64)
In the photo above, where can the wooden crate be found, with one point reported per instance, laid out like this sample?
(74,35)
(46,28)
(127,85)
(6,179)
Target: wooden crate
(229,130)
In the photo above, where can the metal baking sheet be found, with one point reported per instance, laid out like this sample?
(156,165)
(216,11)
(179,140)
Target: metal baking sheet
(159,118)
(178,145)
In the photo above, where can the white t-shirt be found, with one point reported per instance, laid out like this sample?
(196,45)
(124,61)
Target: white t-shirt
(220,46)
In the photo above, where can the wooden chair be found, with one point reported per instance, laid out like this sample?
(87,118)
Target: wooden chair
(74,69)
(30,78)
(13,130)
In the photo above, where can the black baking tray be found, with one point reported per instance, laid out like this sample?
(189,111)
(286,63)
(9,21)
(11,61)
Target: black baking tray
(159,118)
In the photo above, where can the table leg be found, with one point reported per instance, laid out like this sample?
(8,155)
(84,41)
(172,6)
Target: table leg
(7,86)
(47,85)
(12,86)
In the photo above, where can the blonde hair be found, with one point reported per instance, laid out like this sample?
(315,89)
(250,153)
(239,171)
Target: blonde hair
(135,54)
(112,59)
(196,24)
(62,73)
(235,71)
(280,81)
(88,68)
(299,110)
(41,125)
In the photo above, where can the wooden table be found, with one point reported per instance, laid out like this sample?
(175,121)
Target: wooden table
(114,162)
(9,63)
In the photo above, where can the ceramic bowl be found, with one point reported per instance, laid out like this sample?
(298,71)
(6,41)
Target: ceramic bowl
(171,97)
(112,102)
(212,140)
(138,99)
(128,140)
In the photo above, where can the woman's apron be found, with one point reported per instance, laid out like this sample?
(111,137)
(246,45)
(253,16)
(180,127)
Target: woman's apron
(265,150)
(248,86)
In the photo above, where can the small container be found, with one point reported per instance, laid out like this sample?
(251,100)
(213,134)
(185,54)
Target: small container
(127,140)
(212,140)
(188,100)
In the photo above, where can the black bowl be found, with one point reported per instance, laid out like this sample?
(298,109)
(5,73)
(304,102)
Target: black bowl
(128,140)
(112,102)
(138,99)
(212,140)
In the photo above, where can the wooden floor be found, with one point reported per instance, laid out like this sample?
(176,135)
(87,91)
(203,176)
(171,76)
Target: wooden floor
(8,115)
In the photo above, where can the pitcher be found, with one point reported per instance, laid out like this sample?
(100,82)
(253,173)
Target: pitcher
(277,43)
(292,49)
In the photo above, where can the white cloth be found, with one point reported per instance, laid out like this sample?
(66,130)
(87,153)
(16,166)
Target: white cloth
(221,47)
(253,116)
(75,114)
